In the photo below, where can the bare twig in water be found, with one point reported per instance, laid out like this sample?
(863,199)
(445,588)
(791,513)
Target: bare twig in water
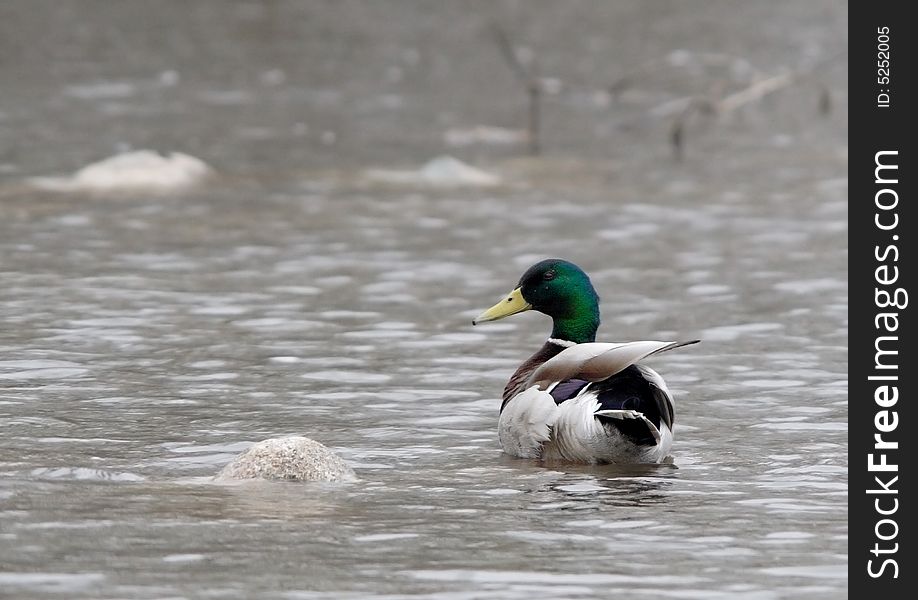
(529,78)
(752,93)
(509,54)
(675,60)
(825,100)
(755,91)
(715,102)
(534,123)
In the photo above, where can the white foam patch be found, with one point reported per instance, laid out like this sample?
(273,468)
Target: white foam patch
(36,364)
(773,383)
(342,376)
(811,286)
(183,558)
(101,90)
(728,333)
(220,310)
(582,488)
(708,289)
(379,334)
(385,537)
(636,524)
(485,135)
(139,170)
(837,426)
(284,359)
(789,535)
(632,231)
(66,583)
(206,377)
(460,337)
(443,171)
(40,369)
(279,324)
(834,572)
(84,474)
(72,221)
(543,578)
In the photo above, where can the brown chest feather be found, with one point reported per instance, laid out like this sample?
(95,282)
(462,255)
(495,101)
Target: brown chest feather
(518,380)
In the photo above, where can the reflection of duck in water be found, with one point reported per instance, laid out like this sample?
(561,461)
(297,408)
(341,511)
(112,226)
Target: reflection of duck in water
(626,485)
(576,399)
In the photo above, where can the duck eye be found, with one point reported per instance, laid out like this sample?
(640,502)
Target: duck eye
(548,276)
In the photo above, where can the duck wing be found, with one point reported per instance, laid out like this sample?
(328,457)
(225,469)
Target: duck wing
(631,398)
(596,361)
(636,401)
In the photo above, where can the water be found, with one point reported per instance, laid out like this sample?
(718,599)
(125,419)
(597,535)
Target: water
(147,339)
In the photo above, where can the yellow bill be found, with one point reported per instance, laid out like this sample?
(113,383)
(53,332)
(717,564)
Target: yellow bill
(511,304)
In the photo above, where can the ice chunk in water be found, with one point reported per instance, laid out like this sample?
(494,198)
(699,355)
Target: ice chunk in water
(143,169)
(441,171)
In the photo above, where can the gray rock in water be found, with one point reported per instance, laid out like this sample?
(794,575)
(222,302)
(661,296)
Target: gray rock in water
(292,458)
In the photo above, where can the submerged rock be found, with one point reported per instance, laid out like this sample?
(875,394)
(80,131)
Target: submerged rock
(294,458)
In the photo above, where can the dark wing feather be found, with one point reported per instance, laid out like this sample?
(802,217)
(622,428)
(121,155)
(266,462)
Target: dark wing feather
(630,390)
(567,389)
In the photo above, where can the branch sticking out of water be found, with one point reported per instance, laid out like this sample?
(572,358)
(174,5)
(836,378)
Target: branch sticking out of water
(716,101)
(722,104)
(531,82)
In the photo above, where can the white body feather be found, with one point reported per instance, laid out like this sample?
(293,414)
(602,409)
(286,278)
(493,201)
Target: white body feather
(533,425)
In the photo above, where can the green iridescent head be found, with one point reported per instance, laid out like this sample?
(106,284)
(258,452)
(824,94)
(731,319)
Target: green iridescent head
(559,289)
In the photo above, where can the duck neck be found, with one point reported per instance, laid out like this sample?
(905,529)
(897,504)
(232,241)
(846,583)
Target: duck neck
(579,328)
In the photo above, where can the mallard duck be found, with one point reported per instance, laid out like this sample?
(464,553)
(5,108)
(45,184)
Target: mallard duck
(576,399)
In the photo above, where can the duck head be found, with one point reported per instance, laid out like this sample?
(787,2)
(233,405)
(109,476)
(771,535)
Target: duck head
(559,289)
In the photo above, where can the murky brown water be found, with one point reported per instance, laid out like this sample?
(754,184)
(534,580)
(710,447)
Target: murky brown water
(144,340)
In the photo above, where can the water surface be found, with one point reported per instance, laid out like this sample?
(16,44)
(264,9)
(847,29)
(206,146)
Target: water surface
(145,340)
